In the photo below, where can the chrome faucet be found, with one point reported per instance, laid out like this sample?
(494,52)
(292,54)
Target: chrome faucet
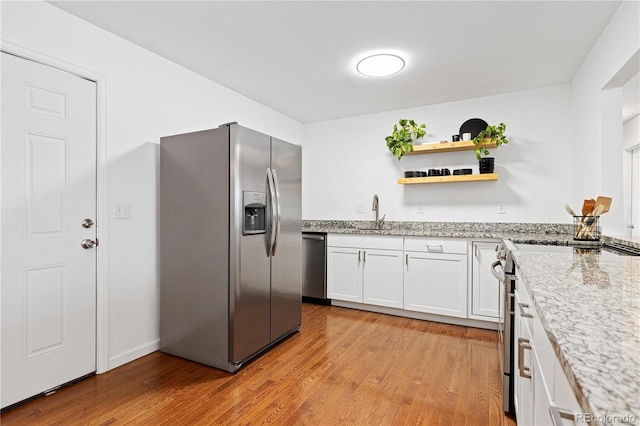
(376,208)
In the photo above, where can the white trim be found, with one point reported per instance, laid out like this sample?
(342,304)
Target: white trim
(102,213)
(416,315)
(135,353)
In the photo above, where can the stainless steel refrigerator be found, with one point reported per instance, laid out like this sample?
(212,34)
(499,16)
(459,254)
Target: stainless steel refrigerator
(230,244)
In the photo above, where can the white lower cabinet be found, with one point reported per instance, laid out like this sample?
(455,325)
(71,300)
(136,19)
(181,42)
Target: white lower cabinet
(436,283)
(360,269)
(344,274)
(485,297)
(543,395)
(435,278)
(382,277)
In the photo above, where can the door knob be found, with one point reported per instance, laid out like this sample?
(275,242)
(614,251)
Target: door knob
(87,223)
(87,243)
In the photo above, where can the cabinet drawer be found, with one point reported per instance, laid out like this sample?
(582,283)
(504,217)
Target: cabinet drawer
(365,241)
(436,245)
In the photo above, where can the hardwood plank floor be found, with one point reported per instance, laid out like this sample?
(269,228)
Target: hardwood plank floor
(343,367)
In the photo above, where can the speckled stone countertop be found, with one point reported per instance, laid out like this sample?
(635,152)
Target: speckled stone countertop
(531,233)
(589,305)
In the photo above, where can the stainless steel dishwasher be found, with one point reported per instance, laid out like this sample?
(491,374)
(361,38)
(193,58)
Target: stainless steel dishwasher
(314,267)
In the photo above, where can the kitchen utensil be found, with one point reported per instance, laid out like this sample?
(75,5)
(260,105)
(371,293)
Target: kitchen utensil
(605,202)
(588,206)
(414,173)
(473,126)
(445,172)
(455,138)
(588,224)
(569,210)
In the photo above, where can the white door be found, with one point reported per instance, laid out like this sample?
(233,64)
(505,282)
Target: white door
(382,278)
(48,280)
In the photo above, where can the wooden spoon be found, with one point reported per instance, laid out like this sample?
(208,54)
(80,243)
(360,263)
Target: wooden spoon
(588,206)
(605,202)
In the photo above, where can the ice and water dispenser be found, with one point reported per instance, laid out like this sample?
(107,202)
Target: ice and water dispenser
(255,208)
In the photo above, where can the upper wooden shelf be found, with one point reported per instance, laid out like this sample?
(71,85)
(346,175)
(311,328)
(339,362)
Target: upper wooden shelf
(437,147)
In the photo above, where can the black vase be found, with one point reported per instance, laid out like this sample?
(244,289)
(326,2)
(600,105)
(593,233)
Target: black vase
(486,165)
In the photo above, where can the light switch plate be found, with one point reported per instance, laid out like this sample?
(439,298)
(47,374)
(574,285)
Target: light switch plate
(359,208)
(420,208)
(122,211)
(502,208)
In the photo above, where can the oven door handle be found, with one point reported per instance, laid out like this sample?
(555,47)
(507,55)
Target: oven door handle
(494,271)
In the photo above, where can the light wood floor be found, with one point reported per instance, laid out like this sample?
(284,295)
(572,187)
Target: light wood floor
(343,367)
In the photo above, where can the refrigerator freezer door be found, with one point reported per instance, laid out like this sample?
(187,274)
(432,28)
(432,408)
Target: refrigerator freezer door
(286,264)
(249,304)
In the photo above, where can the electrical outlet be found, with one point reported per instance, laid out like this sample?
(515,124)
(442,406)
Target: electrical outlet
(122,211)
(420,208)
(359,208)
(502,208)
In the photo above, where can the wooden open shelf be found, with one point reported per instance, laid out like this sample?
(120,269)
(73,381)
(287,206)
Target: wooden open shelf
(446,179)
(433,148)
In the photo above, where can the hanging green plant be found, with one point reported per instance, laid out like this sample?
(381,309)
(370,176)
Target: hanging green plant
(490,135)
(403,136)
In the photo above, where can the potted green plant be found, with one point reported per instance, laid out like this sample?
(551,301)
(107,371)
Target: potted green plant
(403,136)
(490,135)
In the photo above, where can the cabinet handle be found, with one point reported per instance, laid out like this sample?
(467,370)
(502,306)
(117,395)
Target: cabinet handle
(359,253)
(557,414)
(406,259)
(435,247)
(364,255)
(522,345)
(523,314)
(475,252)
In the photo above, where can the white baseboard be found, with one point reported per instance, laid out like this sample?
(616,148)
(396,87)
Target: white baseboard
(135,353)
(416,315)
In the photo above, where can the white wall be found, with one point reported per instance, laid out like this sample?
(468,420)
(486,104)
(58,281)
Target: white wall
(146,97)
(346,162)
(597,116)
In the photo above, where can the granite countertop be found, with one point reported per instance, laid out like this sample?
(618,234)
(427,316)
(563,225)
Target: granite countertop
(530,233)
(589,305)
(524,233)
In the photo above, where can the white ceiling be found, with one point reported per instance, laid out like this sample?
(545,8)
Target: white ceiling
(298,57)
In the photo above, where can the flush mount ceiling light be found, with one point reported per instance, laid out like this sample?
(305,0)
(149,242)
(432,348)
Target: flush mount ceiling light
(380,65)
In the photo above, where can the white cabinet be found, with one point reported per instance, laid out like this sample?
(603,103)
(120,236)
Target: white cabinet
(365,269)
(485,298)
(344,274)
(541,387)
(435,279)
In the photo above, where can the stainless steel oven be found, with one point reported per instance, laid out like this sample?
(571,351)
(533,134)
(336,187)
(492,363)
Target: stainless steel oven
(504,270)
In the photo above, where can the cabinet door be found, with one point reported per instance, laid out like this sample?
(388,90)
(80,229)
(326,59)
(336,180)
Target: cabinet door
(436,283)
(485,297)
(382,281)
(344,274)
(523,362)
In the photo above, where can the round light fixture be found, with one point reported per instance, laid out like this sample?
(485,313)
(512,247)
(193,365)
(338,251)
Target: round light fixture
(380,65)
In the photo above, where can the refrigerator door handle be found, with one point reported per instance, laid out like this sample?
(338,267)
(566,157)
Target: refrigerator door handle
(278,217)
(274,215)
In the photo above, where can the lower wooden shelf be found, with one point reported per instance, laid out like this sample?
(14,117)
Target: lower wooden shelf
(446,179)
